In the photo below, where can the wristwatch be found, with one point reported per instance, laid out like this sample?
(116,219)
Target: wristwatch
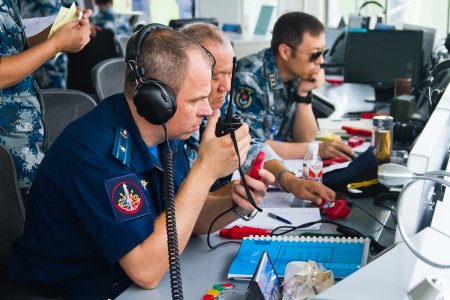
(300,99)
(281,175)
(245,217)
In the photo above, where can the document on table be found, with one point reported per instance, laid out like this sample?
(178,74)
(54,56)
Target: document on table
(296,215)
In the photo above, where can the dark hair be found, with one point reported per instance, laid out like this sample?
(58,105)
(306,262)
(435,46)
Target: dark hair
(164,57)
(103,1)
(290,27)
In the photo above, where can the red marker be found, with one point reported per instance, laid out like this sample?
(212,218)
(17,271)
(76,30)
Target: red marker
(357,131)
(238,232)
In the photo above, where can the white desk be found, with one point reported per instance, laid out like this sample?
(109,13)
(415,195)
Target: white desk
(396,272)
(201,267)
(346,97)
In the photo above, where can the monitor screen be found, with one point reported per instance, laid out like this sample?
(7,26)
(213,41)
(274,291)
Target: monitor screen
(429,35)
(378,57)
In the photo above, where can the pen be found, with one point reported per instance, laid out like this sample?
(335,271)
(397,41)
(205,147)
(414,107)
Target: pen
(279,218)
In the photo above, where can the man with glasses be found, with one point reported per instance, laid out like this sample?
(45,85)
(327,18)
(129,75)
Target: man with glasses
(273,88)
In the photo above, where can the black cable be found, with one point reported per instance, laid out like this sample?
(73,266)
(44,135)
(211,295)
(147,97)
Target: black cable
(244,181)
(171,227)
(211,226)
(373,217)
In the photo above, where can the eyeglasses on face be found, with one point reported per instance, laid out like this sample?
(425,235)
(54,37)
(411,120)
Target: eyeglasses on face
(312,56)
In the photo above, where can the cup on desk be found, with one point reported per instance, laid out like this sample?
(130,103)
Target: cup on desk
(403,86)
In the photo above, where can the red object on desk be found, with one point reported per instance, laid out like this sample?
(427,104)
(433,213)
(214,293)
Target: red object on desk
(238,232)
(335,209)
(333,161)
(357,131)
(355,141)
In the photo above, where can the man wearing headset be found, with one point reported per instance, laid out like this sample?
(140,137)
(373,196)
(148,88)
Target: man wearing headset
(210,37)
(273,88)
(95,220)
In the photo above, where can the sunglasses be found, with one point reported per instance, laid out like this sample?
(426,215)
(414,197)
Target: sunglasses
(312,56)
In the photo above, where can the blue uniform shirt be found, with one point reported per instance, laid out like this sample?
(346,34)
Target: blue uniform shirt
(21,129)
(95,198)
(265,102)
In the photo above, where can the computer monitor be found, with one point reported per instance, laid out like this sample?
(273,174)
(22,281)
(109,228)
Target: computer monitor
(429,35)
(430,153)
(378,57)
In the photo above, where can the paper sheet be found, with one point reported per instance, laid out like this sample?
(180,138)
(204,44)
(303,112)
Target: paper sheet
(35,25)
(297,215)
(65,15)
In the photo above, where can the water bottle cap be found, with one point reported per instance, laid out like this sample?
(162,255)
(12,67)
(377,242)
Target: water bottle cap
(383,121)
(313,147)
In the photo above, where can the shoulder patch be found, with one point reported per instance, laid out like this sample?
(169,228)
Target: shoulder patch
(126,197)
(244,96)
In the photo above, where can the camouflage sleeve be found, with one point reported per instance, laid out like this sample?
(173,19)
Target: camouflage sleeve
(248,100)
(255,147)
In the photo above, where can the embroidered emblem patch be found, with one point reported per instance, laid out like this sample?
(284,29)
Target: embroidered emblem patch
(126,197)
(243,97)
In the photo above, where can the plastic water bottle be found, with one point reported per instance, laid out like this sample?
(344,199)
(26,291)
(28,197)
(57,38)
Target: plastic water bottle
(312,164)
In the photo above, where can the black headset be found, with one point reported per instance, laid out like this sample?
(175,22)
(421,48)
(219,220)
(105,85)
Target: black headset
(155,101)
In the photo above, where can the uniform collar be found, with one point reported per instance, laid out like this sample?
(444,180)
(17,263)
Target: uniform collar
(271,70)
(135,153)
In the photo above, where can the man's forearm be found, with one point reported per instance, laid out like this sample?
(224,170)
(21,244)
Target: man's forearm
(288,150)
(304,127)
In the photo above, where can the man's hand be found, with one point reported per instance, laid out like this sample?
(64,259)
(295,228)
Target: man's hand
(258,189)
(332,149)
(311,190)
(216,155)
(307,85)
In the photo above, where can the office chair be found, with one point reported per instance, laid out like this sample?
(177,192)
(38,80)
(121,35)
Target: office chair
(108,77)
(122,40)
(101,47)
(12,220)
(61,107)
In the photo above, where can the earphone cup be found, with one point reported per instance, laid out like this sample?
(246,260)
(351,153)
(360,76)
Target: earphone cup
(155,101)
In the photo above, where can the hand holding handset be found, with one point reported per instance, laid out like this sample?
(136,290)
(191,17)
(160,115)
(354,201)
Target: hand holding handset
(228,124)
(257,164)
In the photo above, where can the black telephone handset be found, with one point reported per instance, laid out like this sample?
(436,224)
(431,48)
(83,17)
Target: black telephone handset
(230,122)
(227,125)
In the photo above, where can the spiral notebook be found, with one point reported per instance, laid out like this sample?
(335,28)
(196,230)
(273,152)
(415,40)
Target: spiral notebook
(340,254)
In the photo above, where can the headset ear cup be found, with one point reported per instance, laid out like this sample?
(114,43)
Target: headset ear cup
(155,101)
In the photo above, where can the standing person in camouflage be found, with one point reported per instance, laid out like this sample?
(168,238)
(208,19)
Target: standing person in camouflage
(21,129)
(106,18)
(212,39)
(273,88)
(53,74)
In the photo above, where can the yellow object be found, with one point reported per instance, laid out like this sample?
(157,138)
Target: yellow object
(213,292)
(328,137)
(355,185)
(65,15)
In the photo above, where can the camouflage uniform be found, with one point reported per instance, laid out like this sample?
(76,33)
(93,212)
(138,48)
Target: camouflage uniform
(52,74)
(193,143)
(21,129)
(263,99)
(105,18)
